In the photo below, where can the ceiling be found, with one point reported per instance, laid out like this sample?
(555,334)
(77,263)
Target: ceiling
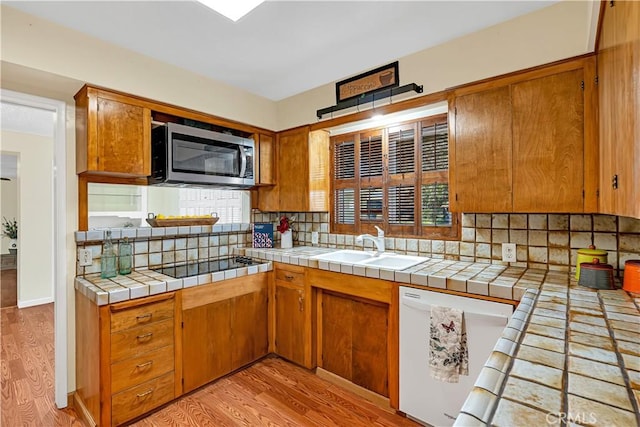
(282,47)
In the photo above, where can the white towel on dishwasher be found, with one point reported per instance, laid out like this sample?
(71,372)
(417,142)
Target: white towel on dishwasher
(448,353)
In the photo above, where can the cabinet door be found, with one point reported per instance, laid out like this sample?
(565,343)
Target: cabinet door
(548,143)
(354,340)
(369,349)
(290,317)
(337,335)
(206,343)
(293,170)
(619,98)
(267,153)
(481,154)
(123,138)
(250,328)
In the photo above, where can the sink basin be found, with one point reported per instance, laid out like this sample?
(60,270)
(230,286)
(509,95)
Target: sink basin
(346,255)
(386,260)
(394,262)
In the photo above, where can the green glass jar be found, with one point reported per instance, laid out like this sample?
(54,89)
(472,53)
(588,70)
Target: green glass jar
(108,265)
(125,256)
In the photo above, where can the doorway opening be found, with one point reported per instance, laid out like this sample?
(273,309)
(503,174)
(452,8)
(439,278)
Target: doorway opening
(9,244)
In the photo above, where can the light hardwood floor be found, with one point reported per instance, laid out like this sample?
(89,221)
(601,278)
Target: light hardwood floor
(272,392)
(26,369)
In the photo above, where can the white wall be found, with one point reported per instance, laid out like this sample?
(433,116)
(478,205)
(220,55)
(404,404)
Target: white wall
(8,207)
(553,33)
(35,218)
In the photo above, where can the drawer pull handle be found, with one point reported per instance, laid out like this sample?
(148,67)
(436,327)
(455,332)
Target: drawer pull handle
(144,336)
(144,317)
(288,277)
(145,394)
(144,365)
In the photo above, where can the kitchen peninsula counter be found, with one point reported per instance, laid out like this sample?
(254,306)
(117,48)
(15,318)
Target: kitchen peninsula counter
(568,353)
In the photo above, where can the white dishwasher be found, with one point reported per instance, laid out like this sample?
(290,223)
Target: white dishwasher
(422,397)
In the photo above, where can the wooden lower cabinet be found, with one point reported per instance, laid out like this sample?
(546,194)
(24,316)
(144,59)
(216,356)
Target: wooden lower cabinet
(224,327)
(125,357)
(294,314)
(354,340)
(357,330)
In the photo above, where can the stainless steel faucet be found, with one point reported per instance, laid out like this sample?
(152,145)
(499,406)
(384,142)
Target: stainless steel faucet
(379,241)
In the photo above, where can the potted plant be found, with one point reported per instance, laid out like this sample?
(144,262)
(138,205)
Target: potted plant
(10,230)
(286,237)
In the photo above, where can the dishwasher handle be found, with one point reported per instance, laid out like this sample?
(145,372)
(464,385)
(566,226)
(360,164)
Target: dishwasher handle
(413,301)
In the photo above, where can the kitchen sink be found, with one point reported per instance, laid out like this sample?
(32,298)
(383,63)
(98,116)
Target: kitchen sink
(346,255)
(386,260)
(394,261)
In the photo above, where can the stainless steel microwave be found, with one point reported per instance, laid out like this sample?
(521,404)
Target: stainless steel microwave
(190,156)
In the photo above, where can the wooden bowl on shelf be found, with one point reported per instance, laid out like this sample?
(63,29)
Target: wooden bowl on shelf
(180,222)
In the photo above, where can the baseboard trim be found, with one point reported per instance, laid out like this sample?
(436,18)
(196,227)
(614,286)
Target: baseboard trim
(82,410)
(378,400)
(34,302)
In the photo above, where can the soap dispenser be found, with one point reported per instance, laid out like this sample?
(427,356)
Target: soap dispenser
(108,266)
(125,255)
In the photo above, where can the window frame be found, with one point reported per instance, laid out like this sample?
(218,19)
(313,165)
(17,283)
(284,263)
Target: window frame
(415,179)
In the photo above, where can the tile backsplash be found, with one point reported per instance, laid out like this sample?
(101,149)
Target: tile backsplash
(548,241)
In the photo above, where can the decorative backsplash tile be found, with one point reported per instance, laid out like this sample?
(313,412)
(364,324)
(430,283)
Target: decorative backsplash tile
(545,241)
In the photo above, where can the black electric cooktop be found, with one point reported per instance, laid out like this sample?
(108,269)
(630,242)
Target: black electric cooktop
(203,267)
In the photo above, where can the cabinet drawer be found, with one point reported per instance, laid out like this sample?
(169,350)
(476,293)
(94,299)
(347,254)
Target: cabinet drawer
(135,341)
(141,368)
(142,315)
(290,277)
(140,399)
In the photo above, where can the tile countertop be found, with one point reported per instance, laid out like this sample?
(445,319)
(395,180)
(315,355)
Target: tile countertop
(473,278)
(569,355)
(142,283)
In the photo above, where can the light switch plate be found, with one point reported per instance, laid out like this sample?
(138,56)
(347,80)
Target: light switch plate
(509,252)
(85,257)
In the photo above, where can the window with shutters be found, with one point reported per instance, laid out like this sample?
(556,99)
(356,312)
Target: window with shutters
(396,178)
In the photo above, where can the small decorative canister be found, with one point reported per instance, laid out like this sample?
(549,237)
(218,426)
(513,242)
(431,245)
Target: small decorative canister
(587,255)
(596,275)
(631,281)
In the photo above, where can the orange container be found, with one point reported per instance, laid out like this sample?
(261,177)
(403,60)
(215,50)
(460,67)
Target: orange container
(631,281)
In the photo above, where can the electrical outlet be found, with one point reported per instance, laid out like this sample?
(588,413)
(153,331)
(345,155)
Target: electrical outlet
(509,252)
(85,257)
(314,237)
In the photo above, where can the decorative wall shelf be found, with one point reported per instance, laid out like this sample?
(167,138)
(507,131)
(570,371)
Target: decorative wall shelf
(355,102)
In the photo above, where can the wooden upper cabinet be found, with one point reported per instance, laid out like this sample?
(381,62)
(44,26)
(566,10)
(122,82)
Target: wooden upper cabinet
(303,173)
(548,143)
(526,142)
(619,100)
(481,152)
(113,134)
(266,152)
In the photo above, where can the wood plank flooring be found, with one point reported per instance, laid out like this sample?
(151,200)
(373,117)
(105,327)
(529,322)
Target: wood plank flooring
(27,369)
(272,392)
(8,287)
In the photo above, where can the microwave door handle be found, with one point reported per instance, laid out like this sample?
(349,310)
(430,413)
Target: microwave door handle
(243,162)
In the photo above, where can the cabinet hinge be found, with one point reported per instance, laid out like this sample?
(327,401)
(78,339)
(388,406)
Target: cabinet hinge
(182,326)
(598,192)
(456,197)
(582,85)
(611,4)
(183,382)
(583,194)
(596,80)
